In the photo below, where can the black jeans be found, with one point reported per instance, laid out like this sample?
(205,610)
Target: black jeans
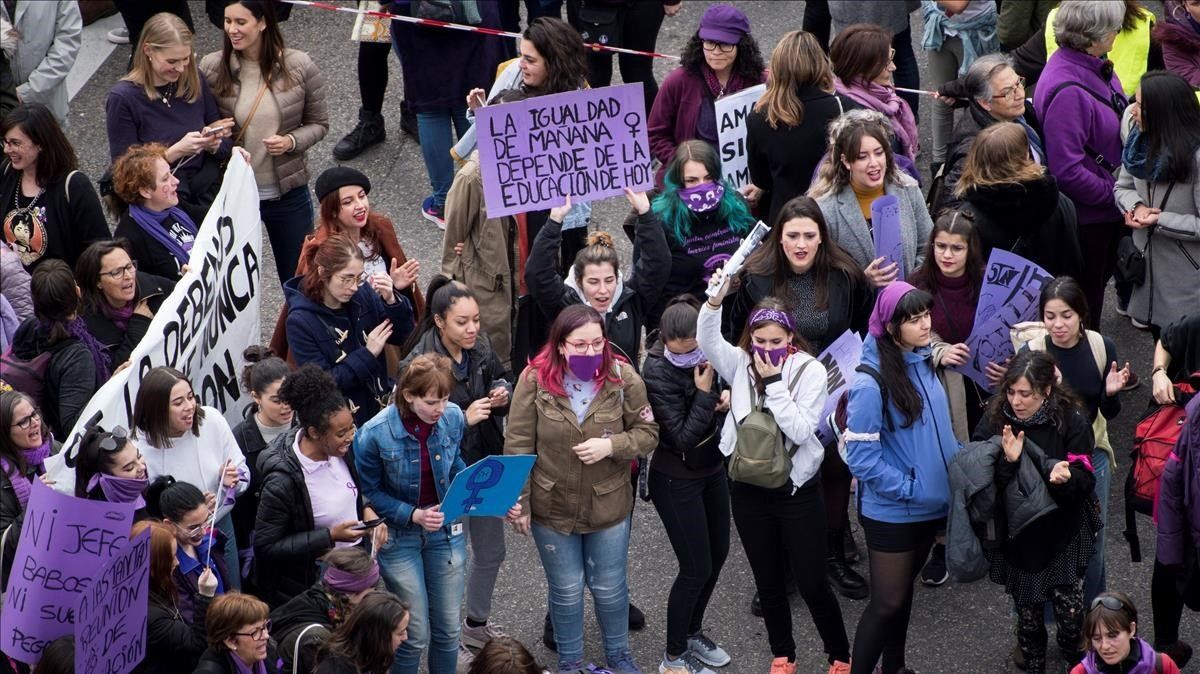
(695,514)
(817,21)
(639,30)
(792,521)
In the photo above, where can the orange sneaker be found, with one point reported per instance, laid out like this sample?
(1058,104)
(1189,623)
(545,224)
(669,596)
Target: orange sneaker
(839,667)
(782,666)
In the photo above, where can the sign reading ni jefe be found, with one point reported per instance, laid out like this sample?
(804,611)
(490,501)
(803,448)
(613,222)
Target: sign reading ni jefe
(110,620)
(731,114)
(64,540)
(587,144)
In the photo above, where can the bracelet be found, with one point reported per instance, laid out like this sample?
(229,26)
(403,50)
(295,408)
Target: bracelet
(293,149)
(712,306)
(1157,370)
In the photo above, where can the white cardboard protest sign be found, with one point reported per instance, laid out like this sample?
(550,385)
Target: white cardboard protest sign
(732,111)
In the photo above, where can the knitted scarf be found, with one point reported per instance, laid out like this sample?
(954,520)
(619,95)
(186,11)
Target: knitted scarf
(34,458)
(884,99)
(100,356)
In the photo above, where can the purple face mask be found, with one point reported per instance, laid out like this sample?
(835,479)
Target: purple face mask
(584,367)
(772,356)
(703,197)
(120,489)
(685,360)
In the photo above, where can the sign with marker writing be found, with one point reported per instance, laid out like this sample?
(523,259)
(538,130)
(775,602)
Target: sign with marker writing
(840,360)
(63,541)
(488,487)
(731,112)
(587,144)
(110,619)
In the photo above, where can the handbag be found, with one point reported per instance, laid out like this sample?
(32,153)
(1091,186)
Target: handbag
(368,28)
(1131,260)
(601,24)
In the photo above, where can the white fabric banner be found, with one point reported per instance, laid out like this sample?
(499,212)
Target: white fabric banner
(202,327)
(731,114)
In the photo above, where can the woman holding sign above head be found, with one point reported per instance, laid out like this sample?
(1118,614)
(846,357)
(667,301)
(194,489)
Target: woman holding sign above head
(340,318)
(720,59)
(777,393)
(173,644)
(118,300)
(192,443)
(585,414)
(310,501)
(859,171)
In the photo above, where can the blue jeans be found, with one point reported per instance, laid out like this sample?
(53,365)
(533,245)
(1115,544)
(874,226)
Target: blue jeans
(233,580)
(288,219)
(597,559)
(1096,579)
(433,131)
(428,571)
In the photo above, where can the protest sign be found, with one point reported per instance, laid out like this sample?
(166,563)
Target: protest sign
(202,327)
(1009,295)
(839,359)
(488,487)
(110,619)
(885,225)
(731,114)
(587,144)
(63,541)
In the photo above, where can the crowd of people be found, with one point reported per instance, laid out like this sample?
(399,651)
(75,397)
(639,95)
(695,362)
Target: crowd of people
(310,536)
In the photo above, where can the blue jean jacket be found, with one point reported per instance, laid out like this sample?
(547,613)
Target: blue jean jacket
(388,459)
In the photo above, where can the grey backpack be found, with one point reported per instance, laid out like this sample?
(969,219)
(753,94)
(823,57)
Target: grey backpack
(761,457)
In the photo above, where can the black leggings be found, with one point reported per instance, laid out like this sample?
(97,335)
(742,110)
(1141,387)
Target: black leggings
(639,30)
(768,520)
(883,628)
(835,486)
(373,74)
(695,513)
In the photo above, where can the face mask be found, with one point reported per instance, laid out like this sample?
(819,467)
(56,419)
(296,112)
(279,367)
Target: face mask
(584,367)
(703,197)
(120,489)
(685,360)
(773,356)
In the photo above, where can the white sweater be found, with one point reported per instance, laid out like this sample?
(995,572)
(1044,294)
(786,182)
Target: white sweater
(197,460)
(797,411)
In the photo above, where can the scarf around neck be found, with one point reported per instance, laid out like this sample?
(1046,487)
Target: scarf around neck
(733,84)
(34,459)
(151,223)
(884,99)
(1134,157)
(77,328)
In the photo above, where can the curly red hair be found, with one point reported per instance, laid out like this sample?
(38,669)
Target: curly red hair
(135,170)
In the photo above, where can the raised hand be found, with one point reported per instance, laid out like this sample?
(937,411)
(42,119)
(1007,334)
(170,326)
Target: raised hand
(639,201)
(1013,444)
(404,275)
(378,338)
(1116,379)
(559,212)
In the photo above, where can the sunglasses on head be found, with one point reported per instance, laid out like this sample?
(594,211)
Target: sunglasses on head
(114,440)
(1107,601)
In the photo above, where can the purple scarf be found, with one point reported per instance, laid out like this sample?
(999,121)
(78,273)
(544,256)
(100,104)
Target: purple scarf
(151,223)
(119,317)
(34,458)
(241,667)
(100,356)
(734,84)
(884,99)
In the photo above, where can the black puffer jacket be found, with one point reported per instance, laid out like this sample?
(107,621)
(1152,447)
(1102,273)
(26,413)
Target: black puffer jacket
(639,292)
(289,622)
(486,372)
(250,440)
(220,661)
(70,378)
(121,342)
(173,645)
(1031,219)
(286,546)
(689,428)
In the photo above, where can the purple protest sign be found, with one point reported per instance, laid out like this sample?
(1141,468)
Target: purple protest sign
(840,360)
(885,226)
(1009,295)
(587,144)
(110,618)
(63,541)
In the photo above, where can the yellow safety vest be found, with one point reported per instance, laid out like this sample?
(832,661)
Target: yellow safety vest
(1129,54)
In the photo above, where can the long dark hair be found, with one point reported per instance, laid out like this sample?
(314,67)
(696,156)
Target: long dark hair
(891,359)
(366,637)
(152,407)
(1171,122)
(770,260)
(961,223)
(57,156)
(747,66)
(1039,369)
(87,272)
(270,55)
(563,52)
(441,294)
(1069,291)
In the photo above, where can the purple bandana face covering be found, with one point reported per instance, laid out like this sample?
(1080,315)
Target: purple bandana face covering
(120,489)
(703,197)
(684,360)
(772,356)
(584,367)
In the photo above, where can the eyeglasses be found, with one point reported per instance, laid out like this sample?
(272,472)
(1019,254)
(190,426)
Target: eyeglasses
(583,347)
(25,422)
(120,272)
(196,530)
(1015,91)
(1107,601)
(722,47)
(258,633)
(115,440)
(351,279)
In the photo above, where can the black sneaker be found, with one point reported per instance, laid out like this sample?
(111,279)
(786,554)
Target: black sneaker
(637,619)
(935,573)
(368,132)
(548,635)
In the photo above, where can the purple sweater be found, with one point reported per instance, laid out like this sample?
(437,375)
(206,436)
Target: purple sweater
(1075,120)
(133,118)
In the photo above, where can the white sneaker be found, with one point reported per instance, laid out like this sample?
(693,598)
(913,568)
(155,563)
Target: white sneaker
(477,637)
(119,35)
(465,658)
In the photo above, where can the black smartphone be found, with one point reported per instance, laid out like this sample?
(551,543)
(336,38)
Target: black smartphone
(369,524)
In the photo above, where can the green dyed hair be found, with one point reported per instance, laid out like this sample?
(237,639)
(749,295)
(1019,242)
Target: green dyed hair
(732,211)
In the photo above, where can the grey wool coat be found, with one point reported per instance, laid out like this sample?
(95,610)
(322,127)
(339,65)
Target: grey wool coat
(1172,287)
(849,228)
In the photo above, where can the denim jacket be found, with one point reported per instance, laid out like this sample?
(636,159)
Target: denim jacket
(388,461)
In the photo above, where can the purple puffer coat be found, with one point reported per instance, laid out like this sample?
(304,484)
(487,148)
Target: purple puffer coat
(1178,510)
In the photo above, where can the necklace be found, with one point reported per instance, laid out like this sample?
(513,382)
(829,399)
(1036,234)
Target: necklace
(19,210)
(167,93)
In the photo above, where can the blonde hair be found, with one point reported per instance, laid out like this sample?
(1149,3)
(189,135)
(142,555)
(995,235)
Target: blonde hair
(797,61)
(999,155)
(164,30)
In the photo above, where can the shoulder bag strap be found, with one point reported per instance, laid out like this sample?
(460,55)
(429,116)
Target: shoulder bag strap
(67,186)
(296,648)
(795,378)
(253,109)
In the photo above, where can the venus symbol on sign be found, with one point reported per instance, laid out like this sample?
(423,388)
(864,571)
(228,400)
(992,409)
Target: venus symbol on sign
(486,476)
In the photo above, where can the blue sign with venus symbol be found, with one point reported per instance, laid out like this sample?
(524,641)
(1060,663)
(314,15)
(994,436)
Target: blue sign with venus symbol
(488,487)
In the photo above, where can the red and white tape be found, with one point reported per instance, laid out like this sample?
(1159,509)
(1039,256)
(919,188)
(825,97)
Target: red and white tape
(463,27)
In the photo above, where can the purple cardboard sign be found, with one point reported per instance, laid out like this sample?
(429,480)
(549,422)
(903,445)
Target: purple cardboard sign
(110,618)
(885,224)
(840,360)
(587,144)
(64,540)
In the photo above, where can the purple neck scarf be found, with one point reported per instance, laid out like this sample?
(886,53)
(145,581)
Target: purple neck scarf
(151,223)
(733,84)
(884,99)
(119,317)
(241,667)
(34,458)
(120,489)
(100,356)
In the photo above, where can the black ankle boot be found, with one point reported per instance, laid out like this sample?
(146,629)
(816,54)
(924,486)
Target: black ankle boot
(844,579)
(369,131)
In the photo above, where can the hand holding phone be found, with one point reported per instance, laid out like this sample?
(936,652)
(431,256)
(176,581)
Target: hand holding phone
(368,524)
